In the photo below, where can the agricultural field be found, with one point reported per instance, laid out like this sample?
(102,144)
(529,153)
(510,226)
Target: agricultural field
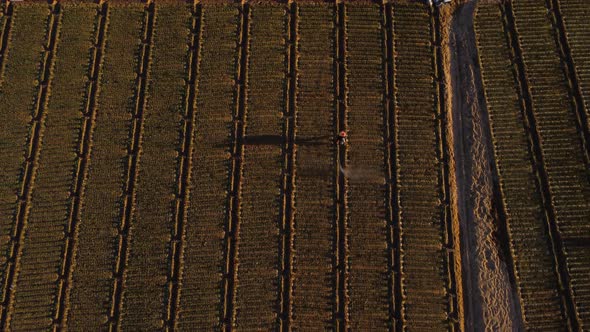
(170,165)
(532,75)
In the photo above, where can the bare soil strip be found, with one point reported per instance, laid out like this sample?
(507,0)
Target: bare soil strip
(183,174)
(89,114)
(288,181)
(490,298)
(443,155)
(230,276)
(341,310)
(131,172)
(32,154)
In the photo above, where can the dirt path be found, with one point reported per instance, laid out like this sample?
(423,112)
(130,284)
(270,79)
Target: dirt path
(490,297)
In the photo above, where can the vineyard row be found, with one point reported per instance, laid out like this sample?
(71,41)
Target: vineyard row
(540,157)
(183,169)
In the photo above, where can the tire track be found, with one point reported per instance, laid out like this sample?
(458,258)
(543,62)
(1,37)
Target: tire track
(31,155)
(538,163)
(394,292)
(340,315)
(287,219)
(89,114)
(183,178)
(443,157)
(233,223)
(131,173)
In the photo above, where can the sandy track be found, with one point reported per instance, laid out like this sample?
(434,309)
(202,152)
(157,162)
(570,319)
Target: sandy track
(490,297)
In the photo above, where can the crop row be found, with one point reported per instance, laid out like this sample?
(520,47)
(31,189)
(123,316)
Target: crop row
(39,51)
(133,319)
(424,279)
(526,220)
(232,225)
(312,298)
(573,15)
(366,191)
(560,145)
(102,208)
(152,151)
(80,168)
(203,258)
(184,122)
(258,237)
(23,48)
(157,186)
(573,12)
(44,263)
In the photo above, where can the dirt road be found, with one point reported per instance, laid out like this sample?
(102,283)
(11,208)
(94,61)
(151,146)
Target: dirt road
(489,293)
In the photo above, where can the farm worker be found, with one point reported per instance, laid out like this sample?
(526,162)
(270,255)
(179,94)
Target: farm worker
(342,138)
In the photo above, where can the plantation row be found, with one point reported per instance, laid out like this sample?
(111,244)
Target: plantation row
(173,165)
(25,87)
(560,144)
(367,226)
(543,170)
(102,235)
(426,300)
(315,171)
(574,14)
(257,289)
(205,241)
(526,220)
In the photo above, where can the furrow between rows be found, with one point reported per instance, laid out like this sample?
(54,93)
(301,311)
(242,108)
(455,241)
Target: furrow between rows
(340,314)
(169,18)
(394,294)
(288,174)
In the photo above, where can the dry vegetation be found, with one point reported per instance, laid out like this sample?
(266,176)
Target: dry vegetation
(541,156)
(172,165)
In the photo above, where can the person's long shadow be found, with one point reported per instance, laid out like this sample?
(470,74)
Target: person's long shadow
(279,140)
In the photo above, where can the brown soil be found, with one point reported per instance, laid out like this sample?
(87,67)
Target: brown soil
(491,302)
